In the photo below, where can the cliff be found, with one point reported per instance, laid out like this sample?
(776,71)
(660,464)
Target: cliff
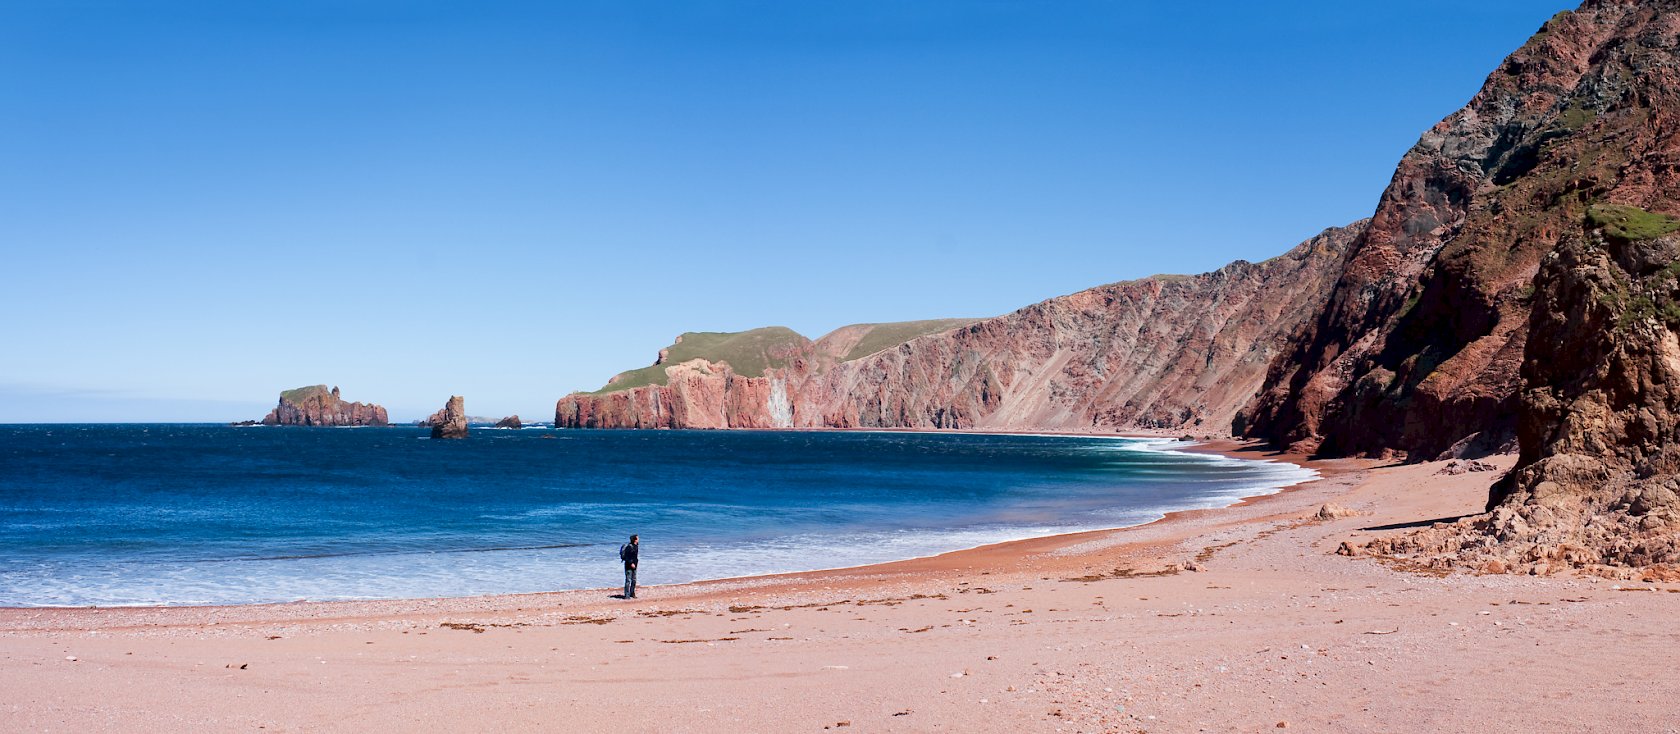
(1595,485)
(1160,352)
(1420,349)
(451,420)
(1520,280)
(1518,286)
(318,406)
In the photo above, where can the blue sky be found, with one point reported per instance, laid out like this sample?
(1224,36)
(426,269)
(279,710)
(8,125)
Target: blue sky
(207,202)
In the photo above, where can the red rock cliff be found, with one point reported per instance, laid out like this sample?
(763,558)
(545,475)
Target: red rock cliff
(1522,275)
(1167,351)
(1420,348)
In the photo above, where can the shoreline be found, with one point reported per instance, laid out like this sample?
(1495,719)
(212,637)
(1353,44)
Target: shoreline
(1238,618)
(1226,448)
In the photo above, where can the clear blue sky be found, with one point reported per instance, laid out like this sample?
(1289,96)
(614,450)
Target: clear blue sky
(203,203)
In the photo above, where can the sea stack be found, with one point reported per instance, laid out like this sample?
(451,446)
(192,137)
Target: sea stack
(511,421)
(451,422)
(318,406)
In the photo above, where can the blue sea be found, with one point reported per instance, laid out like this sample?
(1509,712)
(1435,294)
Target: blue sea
(210,514)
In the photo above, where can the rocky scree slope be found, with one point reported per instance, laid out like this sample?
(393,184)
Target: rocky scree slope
(1161,352)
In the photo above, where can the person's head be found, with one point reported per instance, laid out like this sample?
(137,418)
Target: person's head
(633,539)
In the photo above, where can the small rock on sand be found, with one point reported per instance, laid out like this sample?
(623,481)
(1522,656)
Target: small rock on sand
(1333,511)
(1456,467)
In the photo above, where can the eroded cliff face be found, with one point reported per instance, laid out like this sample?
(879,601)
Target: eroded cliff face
(318,406)
(1162,352)
(1520,278)
(1420,348)
(1595,486)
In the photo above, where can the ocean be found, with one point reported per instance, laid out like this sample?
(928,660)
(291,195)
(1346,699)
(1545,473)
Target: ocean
(209,514)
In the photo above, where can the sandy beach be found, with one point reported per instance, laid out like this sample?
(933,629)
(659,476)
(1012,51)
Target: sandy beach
(1237,619)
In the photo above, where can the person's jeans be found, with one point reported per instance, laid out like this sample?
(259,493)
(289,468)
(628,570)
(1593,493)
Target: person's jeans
(629,582)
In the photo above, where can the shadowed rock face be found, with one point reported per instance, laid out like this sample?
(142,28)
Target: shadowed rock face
(1167,351)
(511,421)
(451,421)
(318,406)
(1543,300)
(1595,486)
(1420,349)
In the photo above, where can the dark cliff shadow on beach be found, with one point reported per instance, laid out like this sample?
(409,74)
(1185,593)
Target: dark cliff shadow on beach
(1414,524)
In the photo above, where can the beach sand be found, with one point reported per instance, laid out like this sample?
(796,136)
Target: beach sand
(1093,632)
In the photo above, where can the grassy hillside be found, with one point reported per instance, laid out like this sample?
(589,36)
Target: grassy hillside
(747,352)
(1631,222)
(887,336)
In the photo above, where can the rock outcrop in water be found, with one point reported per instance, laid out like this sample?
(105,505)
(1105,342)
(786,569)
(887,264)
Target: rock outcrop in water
(318,406)
(451,421)
(511,421)
(1161,352)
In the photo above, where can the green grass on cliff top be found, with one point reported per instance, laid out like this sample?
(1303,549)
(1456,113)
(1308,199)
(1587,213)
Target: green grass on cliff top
(1631,222)
(887,336)
(296,396)
(747,352)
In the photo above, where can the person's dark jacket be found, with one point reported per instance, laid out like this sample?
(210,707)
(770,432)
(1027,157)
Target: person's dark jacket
(630,553)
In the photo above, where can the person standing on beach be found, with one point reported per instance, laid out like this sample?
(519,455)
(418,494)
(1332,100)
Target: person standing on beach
(630,553)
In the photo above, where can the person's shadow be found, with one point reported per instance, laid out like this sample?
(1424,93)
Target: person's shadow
(618,596)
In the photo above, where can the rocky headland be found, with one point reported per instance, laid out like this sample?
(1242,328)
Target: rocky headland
(1161,352)
(318,406)
(451,420)
(1516,289)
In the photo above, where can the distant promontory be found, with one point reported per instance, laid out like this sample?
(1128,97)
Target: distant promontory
(317,405)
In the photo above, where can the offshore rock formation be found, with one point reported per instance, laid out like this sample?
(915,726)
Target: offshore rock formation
(451,421)
(511,421)
(318,406)
(1420,348)
(1161,352)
